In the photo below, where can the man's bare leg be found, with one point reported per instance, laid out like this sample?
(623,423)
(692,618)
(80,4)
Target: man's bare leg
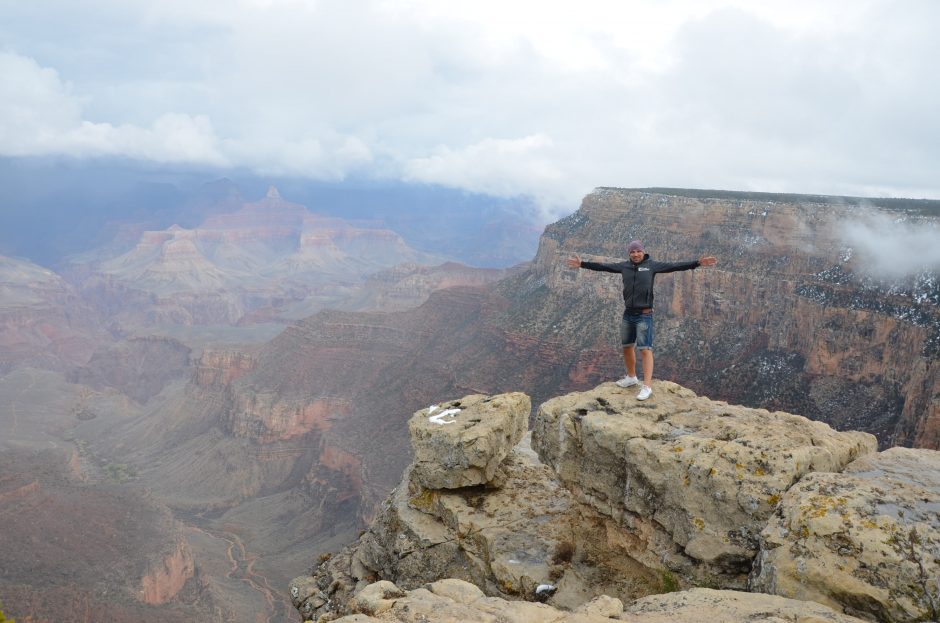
(629,360)
(646,356)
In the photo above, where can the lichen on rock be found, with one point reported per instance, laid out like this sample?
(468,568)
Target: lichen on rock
(866,540)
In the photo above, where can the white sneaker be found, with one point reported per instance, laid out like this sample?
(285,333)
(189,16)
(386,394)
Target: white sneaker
(628,381)
(645,392)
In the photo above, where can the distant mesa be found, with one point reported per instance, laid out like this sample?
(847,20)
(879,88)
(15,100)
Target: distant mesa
(259,257)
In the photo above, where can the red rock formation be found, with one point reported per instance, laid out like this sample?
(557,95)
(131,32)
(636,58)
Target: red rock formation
(266,419)
(218,368)
(162,582)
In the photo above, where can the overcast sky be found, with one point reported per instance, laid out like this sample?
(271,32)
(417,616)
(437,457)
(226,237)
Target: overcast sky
(543,98)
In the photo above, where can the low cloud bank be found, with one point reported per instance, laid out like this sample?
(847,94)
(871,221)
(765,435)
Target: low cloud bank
(892,246)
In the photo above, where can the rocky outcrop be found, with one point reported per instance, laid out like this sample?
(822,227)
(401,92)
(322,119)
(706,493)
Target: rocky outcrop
(630,499)
(487,512)
(462,443)
(455,601)
(867,539)
(694,480)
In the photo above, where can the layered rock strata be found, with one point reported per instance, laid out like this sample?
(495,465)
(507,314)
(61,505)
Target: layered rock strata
(253,265)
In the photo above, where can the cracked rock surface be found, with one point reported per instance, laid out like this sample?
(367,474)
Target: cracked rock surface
(867,539)
(696,480)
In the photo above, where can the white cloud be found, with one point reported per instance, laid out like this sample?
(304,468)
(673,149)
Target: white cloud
(39,115)
(891,246)
(547,99)
(501,167)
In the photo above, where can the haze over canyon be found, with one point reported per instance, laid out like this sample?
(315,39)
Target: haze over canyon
(198,411)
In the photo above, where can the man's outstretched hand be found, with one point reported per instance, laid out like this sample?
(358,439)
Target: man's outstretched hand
(706,261)
(575,262)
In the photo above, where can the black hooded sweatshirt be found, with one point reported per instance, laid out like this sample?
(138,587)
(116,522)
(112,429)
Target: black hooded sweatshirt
(638,278)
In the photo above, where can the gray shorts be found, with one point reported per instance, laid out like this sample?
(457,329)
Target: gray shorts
(637,330)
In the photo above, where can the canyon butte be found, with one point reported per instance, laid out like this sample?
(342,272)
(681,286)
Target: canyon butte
(271,437)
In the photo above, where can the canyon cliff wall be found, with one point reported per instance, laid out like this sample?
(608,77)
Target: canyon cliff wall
(788,319)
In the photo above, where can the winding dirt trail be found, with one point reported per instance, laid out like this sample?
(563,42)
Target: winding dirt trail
(241,562)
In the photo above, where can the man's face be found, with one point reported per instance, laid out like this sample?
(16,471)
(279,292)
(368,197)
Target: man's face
(636,256)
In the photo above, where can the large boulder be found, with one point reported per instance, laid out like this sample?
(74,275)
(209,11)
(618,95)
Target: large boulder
(693,480)
(866,540)
(463,442)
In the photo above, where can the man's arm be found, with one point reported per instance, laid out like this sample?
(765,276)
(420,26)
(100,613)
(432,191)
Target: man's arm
(671,267)
(575,262)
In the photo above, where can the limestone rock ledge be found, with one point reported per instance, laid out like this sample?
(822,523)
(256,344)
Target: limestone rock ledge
(867,540)
(463,442)
(695,480)
(455,601)
(614,499)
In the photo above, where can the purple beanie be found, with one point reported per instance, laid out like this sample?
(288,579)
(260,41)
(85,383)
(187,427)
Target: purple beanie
(636,245)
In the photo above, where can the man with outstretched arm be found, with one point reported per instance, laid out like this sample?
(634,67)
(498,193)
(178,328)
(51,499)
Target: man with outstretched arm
(636,328)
